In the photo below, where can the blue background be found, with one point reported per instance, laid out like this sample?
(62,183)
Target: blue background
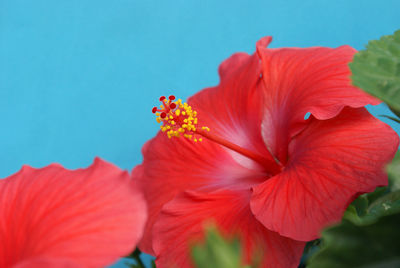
(78,78)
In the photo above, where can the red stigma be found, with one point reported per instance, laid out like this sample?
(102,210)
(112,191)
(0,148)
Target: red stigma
(172,106)
(172,97)
(163,115)
(154,110)
(162,98)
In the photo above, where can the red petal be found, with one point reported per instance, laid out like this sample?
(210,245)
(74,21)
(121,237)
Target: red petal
(230,211)
(331,162)
(301,80)
(233,109)
(47,263)
(89,216)
(171,166)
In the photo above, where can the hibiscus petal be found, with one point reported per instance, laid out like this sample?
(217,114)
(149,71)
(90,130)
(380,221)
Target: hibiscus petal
(171,166)
(89,216)
(47,263)
(331,162)
(230,211)
(301,80)
(233,109)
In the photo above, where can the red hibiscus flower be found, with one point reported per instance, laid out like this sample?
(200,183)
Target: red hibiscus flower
(53,217)
(261,170)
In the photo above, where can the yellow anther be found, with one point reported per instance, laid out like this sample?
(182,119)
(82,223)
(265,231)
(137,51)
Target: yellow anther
(178,119)
(187,136)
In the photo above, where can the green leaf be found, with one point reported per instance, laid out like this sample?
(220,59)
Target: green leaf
(377,70)
(361,204)
(357,209)
(349,245)
(351,215)
(393,171)
(386,205)
(379,192)
(217,252)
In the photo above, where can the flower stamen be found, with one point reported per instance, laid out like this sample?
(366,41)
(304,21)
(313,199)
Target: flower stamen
(178,118)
